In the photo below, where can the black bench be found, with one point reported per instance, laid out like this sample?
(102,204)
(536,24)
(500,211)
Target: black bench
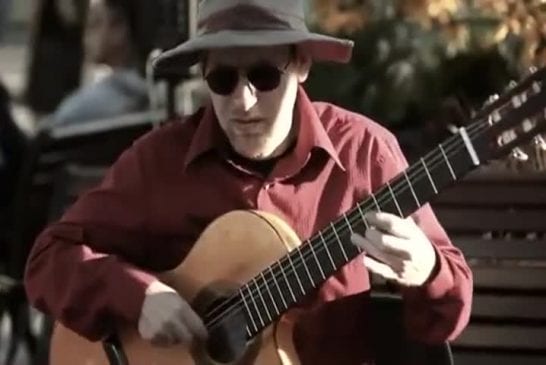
(34,205)
(498,219)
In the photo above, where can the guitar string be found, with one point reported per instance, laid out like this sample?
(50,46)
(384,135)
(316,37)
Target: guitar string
(211,322)
(474,129)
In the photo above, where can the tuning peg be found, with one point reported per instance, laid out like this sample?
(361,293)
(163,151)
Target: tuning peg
(540,142)
(492,98)
(519,155)
(531,70)
(512,84)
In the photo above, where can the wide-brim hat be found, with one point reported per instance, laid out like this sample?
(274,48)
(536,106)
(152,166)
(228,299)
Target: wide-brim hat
(247,23)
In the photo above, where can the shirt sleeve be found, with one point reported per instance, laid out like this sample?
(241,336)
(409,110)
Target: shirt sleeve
(78,270)
(440,309)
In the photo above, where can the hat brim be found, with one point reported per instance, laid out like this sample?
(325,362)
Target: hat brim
(319,47)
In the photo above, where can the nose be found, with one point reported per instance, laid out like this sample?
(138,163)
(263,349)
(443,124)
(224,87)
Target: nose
(244,95)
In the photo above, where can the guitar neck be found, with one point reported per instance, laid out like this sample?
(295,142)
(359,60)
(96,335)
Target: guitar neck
(283,284)
(290,279)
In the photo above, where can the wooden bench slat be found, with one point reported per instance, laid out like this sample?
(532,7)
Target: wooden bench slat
(509,306)
(470,358)
(524,278)
(501,248)
(502,337)
(484,220)
(498,173)
(493,194)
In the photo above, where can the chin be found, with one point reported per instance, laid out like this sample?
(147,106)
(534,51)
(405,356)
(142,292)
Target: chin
(254,153)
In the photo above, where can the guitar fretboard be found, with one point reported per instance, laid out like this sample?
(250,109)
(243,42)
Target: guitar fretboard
(263,299)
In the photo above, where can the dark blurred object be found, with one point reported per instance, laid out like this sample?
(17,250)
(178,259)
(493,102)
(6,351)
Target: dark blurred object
(176,19)
(174,23)
(174,28)
(56,54)
(391,343)
(13,144)
(5,12)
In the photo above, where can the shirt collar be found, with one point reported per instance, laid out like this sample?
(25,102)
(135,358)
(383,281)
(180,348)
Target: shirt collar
(209,136)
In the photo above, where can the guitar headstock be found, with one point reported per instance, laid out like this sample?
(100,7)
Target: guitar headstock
(512,119)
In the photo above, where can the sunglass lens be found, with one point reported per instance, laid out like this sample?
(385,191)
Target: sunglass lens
(264,77)
(223,80)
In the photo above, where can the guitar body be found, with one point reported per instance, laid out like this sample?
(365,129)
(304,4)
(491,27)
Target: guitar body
(231,251)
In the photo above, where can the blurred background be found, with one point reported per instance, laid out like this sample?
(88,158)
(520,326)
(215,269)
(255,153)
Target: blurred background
(76,88)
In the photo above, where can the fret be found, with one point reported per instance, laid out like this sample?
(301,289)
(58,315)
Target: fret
(362,215)
(448,163)
(429,177)
(407,192)
(306,268)
(348,224)
(287,282)
(338,240)
(417,202)
(395,200)
(317,260)
(376,203)
(258,289)
(277,311)
(296,274)
(247,307)
(252,300)
(327,251)
(469,146)
(278,288)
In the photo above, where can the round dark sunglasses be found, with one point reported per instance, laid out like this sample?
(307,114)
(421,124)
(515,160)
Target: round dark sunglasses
(223,80)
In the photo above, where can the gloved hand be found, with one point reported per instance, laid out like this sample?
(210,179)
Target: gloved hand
(167,319)
(396,249)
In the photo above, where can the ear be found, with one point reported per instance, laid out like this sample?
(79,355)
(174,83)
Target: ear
(303,66)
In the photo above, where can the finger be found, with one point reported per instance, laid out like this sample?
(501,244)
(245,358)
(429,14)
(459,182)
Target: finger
(388,243)
(371,250)
(194,323)
(380,268)
(179,331)
(390,223)
(162,340)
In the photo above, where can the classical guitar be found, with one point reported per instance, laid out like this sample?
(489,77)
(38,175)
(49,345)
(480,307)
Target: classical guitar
(247,303)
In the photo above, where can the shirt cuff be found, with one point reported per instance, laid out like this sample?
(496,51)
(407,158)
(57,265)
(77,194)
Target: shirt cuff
(441,279)
(129,289)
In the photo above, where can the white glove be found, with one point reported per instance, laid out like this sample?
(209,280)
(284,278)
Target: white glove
(166,319)
(399,249)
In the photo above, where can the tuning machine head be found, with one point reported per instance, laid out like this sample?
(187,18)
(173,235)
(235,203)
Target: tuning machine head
(518,155)
(531,70)
(540,142)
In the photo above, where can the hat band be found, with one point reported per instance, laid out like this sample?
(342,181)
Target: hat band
(249,18)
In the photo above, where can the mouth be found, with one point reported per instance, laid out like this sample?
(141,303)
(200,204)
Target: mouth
(245,121)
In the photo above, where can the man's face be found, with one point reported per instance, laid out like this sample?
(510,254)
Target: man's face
(106,33)
(257,122)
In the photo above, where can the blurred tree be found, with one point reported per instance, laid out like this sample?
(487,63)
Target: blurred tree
(421,67)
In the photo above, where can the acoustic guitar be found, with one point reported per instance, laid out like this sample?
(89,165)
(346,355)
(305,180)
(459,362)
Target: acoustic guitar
(247,303)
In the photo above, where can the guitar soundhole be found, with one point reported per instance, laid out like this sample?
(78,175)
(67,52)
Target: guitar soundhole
(227,343)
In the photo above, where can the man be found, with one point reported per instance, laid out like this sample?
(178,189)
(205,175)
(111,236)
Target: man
(259,144)
(113,39)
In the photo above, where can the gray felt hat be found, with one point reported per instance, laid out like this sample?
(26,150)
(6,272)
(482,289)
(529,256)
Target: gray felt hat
(239,23)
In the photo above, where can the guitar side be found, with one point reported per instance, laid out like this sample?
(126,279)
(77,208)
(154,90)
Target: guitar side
(231,251)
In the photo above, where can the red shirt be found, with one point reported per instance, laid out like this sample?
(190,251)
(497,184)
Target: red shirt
(165,189)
